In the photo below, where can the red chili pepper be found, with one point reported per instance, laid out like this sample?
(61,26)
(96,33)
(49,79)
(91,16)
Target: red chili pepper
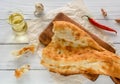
(92,21)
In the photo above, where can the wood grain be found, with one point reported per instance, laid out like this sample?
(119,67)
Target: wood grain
(38,74)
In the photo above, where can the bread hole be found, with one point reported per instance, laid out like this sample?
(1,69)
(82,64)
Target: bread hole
(83,42)
(59,51)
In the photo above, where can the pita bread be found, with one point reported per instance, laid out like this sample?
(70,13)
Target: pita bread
(73,51)
(46,35)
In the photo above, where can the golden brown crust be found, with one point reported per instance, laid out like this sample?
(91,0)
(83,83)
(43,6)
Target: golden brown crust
(22,51)
(46,35)
(92,77)
(116,80)
(67,55)
(23,69)
(77,34)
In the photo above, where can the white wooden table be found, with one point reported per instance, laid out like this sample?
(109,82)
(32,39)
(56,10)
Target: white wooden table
(38,75)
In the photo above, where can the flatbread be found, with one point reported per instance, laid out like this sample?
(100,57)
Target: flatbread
(46,35)
(73,51)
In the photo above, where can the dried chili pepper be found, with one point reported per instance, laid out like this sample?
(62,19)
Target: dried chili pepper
(92,21)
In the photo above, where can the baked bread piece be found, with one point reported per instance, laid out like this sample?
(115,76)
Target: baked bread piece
(46,35)
(73,51)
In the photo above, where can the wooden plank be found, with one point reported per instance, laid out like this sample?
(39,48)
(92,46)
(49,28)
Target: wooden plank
(8,61)
(31,77)
(7,36)
(102,1)
(38,74)
(28,8)
(96,13)
(112,12)
(45,77)
(111,36)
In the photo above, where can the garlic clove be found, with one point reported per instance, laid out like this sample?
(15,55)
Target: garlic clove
(39,8)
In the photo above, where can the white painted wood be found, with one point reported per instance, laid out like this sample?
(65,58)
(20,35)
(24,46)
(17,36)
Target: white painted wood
(97,14)
(111,36)
(7,36)
(38,74)
(8,61)
(31,77)
(45,77)
(28,8)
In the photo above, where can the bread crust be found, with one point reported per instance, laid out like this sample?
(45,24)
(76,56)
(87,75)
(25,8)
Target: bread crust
(46,35)
(67,56)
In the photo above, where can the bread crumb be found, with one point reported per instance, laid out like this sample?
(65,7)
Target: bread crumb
(19,72)
(20,52)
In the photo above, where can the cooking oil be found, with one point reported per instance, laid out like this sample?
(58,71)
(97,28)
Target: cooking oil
(19,25)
